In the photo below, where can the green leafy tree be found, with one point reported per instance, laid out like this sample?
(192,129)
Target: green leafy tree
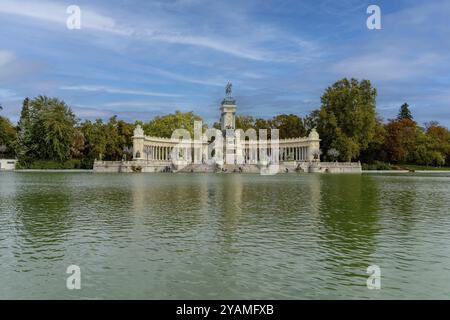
(56,123)
(163,126)
(78,144)
(347,118)
(106,141)
(375,150)
(45,130)
(289,126)
(24,133)
(425,152)
(95,140)
(439,139)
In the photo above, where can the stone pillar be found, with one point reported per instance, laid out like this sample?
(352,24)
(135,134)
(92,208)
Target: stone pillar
(314,145)
(138,143)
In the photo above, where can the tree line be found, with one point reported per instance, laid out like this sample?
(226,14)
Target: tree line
(49,135)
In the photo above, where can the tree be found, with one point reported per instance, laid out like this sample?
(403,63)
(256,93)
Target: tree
(244,122)
(375,150)
(24,133)
(118,138)
(46,130)
(56,124)
(164,126)
(425,152)
(108,141)
(400,140)
(333,154)
(347,118)
(347,146)
(7,137)
(311,121)
(439,139)
(289,126)
(95,140)
(78,144)
(404,112)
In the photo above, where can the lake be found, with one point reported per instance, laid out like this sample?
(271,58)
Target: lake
(224,236)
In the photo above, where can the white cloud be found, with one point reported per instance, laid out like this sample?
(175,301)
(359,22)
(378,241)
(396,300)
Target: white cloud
(105,89)
(183,78)
(201,41)
(242,45)
(387,65)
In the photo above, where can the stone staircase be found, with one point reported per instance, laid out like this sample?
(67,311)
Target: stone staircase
(198,168)
(240,168)
(227,168)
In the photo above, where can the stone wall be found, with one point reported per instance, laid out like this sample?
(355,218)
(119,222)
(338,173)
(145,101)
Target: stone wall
(131,166)
(167,166)
(340,167)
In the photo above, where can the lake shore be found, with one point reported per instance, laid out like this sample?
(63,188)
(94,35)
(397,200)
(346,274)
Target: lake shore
(363,171)
(52,170)
(407,171)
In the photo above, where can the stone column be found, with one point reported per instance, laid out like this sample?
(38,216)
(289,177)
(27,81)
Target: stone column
(138,143)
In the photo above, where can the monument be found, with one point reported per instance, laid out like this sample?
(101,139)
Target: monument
(232,151)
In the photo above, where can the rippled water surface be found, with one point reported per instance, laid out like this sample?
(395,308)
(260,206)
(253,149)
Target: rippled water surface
(193,236)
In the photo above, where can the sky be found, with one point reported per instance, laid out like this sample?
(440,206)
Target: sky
(138,58)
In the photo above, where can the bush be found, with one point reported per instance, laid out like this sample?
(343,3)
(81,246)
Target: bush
(376,165)
(50,164)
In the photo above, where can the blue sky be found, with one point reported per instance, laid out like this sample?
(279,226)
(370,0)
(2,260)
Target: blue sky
(138,59)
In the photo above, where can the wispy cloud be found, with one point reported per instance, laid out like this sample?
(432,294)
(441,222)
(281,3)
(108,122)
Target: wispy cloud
(179,77)
(387,65)
(238,45)
(221,45)
(7,94)
(104,89)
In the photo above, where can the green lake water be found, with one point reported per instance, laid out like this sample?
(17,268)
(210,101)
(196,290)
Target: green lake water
(224,236)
